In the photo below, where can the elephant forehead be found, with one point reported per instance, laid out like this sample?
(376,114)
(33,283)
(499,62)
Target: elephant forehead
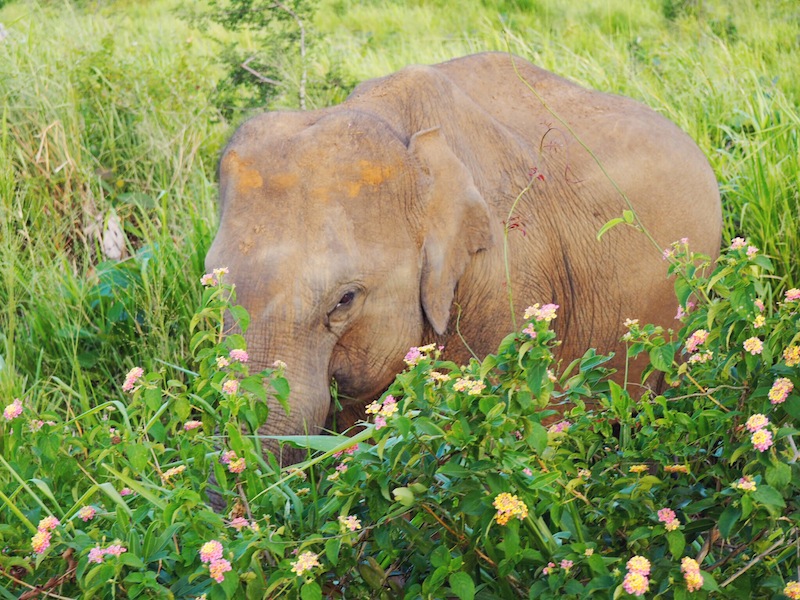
(244,172)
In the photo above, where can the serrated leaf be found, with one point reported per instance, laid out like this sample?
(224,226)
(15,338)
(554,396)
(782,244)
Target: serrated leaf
(768,496)
(676,543)
(537,438)
(332,547)
(462,585)
(778,475)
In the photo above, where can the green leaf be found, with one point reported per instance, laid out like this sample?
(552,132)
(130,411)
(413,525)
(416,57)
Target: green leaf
(682,290)
(768,496)
(403,495)
(537,438)
(609,225)
(676,543)
(453,469)
(778,475)
(729,517)
(661,357)
(332,547)
(137,454)
(462,585)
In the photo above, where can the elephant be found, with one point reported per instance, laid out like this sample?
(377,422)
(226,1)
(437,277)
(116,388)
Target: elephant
(355,232)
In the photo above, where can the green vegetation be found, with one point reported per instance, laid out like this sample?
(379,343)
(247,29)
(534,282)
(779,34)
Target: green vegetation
(111,121)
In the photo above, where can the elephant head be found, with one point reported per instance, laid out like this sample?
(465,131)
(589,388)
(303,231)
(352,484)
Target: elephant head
(345,242)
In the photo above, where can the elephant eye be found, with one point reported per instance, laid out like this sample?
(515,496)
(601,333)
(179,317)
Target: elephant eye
(346,300)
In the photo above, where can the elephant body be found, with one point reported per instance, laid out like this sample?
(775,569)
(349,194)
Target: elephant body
(355,232)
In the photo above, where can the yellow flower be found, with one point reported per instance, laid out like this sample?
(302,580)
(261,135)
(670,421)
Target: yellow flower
(638,468)
(509,506)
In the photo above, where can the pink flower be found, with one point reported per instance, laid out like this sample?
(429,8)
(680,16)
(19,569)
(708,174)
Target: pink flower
(305,562)
(13,410)
(639,564)
(208,280)
(226,457)
(239,523)
(220,271)
(549,568)
(87,513)
(348,450)
(566,564)
(115,549)
(665,515)
(413,357)
(389,406)
(559,427)
(527,471)
(746,484)
(239,356)
(126,491)
(756,422)
(380,422)
(131,378)
(350,522)
(218,568)
(753,345)
(341,467)
(41,541)
(792,295)
(211,551)
(96,555)
(189,425)
(759,304)
(48,523)
(230,387)
(545,313)
(530,331)
(636,584)
(780,390)
(737,243)
(696,339)
(762,440)
(237,466)
(751,251)
(691,574)
(667,253)
(222,362)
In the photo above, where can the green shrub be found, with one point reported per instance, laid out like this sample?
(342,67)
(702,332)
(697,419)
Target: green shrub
(507,477)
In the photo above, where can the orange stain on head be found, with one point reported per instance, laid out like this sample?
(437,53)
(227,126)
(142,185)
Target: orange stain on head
(284,181)
(245,177)
(374,173)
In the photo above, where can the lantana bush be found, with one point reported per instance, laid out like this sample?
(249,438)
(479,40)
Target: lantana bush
(511,477)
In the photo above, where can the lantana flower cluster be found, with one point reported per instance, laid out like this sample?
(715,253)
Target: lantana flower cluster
(382,410)
(235,463)
(44,532)
(637,579)
(211,555)
(669,518)
(541,313)
(762,437)
(508,506)
(131,379)
(98,554)
(13,410)
(691,574)
(305,563)
(416,354)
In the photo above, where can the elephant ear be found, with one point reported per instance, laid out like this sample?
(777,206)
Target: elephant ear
(457,222)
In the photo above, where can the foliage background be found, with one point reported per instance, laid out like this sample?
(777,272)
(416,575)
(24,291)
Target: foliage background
(112,115)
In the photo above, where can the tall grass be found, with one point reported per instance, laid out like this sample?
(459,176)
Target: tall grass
(107,116)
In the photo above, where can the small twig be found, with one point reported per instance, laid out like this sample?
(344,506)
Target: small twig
(262,78)
(706,392)
(755,561)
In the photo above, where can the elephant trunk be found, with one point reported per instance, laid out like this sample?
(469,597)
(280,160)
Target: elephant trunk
(309,396)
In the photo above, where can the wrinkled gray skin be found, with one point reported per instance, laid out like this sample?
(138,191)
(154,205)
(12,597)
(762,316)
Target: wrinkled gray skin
(355,232)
